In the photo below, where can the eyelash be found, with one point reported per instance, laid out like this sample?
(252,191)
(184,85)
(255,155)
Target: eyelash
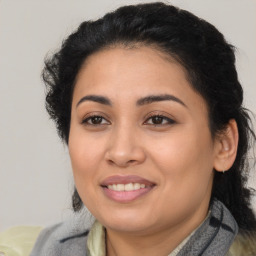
(168,121)
(87,119)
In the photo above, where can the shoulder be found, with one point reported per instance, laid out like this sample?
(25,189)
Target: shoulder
(66,238)
(244,244)
(18,241)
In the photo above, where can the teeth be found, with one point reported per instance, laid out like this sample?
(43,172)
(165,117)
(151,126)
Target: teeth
(120,187)
(126,187)
(137,186)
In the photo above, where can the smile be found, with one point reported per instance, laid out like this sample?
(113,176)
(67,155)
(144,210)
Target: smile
(124,189)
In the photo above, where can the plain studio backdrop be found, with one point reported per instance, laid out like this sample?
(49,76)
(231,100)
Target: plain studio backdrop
(35,175)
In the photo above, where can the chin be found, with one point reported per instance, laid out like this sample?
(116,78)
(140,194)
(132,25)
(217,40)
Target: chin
(127,221)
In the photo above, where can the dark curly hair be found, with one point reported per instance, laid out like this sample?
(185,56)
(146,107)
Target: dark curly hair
(199,47)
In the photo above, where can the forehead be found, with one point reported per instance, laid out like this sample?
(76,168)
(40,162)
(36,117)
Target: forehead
(135,72)
(136,62)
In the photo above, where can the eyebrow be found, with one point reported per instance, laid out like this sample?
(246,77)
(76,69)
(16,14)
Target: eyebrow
(140,102)
(155,98)
(96,98)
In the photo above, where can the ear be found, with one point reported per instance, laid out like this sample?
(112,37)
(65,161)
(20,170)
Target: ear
(226,145)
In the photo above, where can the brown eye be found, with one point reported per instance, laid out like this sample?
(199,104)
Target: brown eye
(95,120)
(159,120)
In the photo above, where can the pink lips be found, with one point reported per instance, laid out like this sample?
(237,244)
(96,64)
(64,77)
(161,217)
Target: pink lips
(126,196)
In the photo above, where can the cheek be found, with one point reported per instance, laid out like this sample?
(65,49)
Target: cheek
(85,154)
(185,159)
(85,162)
(185,164)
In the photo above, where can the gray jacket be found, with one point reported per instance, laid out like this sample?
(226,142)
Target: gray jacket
(213,238)
(68,238)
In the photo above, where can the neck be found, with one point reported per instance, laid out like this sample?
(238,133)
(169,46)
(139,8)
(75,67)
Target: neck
(156,242)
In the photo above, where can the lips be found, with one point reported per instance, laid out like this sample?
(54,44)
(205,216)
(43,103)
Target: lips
(127,188)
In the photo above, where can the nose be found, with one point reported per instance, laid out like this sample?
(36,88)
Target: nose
(125,148)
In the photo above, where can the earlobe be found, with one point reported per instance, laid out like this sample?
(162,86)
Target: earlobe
(226,147)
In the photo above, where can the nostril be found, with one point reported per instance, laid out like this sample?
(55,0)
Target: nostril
(111,161)
(121,163)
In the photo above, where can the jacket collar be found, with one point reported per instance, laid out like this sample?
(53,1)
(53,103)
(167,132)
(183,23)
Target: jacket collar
(215,235)
(77,225)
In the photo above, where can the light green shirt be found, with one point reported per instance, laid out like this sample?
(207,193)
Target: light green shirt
(18,241)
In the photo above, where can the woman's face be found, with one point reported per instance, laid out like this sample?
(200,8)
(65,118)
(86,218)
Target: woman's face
(140,145)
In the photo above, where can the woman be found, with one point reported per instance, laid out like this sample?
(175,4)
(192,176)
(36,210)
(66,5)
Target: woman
(148,101)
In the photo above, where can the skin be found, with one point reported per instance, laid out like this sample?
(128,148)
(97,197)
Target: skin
(178,154)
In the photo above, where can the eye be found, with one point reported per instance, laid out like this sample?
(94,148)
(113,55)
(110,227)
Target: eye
(159,120)
(95,120)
